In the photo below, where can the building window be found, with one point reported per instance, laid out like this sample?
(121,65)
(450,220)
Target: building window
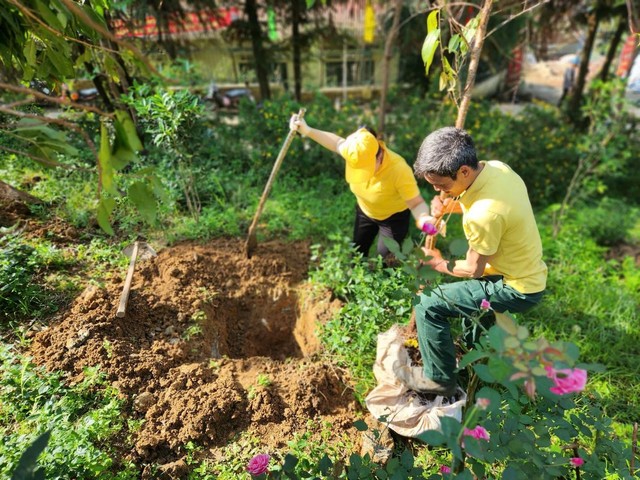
(359,72)
(277,72)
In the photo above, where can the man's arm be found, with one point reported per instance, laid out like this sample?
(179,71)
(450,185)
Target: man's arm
(328,140)
(471,267)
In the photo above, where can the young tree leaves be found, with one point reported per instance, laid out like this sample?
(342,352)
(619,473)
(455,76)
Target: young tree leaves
(431,41)
(105,207)
(42,141)
(126,143)
(143,198)
(106,166)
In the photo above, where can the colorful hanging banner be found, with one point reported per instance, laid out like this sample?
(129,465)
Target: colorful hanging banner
(626,56)
(369,23)
(271,25)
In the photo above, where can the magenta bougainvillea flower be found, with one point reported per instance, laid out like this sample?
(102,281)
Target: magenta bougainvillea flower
(577,461)
(444,469)
(429,229)
(567,380)
(485,304)
(477,432)
(259,464)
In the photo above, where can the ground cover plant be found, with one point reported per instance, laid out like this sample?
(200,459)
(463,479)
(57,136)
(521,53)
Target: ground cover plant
(592,308)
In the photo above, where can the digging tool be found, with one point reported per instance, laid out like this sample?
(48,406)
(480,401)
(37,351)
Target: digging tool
(139,249)
(252,242)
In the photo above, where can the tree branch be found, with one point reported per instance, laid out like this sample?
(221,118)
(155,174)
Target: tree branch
(44,161)
(56,100)
(56,121)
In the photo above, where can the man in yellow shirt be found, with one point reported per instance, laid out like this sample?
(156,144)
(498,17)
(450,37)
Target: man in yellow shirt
(503,265)
(385,188)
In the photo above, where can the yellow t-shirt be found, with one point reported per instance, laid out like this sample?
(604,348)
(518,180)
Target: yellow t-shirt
(498,221)
(387,192)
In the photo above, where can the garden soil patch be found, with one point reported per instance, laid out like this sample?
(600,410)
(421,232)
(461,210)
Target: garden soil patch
(213,345)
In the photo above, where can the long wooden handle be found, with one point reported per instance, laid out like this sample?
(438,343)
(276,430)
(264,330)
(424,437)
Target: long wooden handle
(127,283)
(274,172)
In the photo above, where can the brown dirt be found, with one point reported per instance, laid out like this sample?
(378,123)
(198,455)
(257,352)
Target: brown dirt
(213,345)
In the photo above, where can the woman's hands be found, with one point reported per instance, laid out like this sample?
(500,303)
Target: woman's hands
(299,125)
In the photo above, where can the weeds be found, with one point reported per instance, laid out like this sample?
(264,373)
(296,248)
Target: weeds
(81,419)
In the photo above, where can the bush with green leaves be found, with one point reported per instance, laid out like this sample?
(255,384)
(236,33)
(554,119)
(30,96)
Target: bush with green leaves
(607,221)
(82,420)
(375,298)
(592,303)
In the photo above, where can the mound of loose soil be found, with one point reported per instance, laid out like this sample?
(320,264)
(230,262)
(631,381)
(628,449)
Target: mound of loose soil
(212,345)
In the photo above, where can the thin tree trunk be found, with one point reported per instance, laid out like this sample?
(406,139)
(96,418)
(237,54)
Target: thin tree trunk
(388,46)
(295,38)
(260,58)
(575,99)
(476,50)
(613,47)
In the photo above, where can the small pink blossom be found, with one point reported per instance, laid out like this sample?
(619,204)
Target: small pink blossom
(567,380)
(444,469)
(482,403)
(477,432)
(259,464)
(485,304)
(576,461)
(429,229)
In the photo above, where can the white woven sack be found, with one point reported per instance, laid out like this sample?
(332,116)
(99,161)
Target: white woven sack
(394,401)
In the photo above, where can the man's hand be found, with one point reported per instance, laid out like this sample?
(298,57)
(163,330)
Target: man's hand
(299,125)
(440,206)
(436,262)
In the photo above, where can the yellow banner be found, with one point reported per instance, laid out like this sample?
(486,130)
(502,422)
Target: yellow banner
(369,23)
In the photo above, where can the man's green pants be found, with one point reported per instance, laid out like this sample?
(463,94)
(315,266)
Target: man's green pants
(461,300)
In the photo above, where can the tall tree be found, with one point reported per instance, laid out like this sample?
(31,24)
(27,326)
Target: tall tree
(259,54)
(296,46)
(593,17)
(392,34)
(613,46)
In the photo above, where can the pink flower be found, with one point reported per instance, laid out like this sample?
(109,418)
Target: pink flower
(485,304)
(576,461)
(429,229)
(477,432)
(259,464)
(482,403)
(567,380)
(444,469)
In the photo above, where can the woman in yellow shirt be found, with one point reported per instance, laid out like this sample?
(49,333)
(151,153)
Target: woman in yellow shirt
(385,188)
